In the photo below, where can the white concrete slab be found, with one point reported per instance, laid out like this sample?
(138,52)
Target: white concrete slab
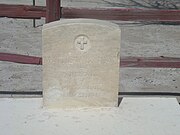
(135,116)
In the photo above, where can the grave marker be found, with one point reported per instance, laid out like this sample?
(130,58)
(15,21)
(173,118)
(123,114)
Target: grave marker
(81,63)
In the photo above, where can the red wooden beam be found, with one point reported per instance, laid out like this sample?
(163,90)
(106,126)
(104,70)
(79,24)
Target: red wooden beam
(52,10)
(53,13)
(151,62)
(140,62)
(22,11)
(23,59)
(122,14)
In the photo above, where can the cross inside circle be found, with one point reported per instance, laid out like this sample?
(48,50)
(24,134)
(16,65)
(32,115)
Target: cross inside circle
(82,41)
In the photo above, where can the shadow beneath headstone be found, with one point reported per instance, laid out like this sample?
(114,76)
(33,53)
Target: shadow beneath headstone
(119,101)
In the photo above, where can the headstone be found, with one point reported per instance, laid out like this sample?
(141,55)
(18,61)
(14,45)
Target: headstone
(80,63)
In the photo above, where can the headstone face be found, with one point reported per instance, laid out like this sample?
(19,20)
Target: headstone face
(80,63)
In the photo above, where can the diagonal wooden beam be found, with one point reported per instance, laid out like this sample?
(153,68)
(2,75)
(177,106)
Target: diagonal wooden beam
(139,62)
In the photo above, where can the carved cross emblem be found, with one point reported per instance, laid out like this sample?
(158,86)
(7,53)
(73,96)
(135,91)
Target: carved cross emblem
(82,42)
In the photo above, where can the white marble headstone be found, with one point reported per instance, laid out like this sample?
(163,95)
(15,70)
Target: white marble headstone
(81,63)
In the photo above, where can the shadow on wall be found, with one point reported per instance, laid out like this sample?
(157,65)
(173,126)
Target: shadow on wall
(154,4)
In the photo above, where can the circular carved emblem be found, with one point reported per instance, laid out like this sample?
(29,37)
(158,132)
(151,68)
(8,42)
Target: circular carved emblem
(82,43)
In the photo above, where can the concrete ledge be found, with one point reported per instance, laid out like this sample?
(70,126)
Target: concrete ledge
(135,116)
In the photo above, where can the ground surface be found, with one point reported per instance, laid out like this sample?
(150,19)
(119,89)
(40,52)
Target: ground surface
(148,116)
(147,40)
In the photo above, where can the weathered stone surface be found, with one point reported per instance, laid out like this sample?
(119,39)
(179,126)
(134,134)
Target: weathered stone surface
(81,63)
